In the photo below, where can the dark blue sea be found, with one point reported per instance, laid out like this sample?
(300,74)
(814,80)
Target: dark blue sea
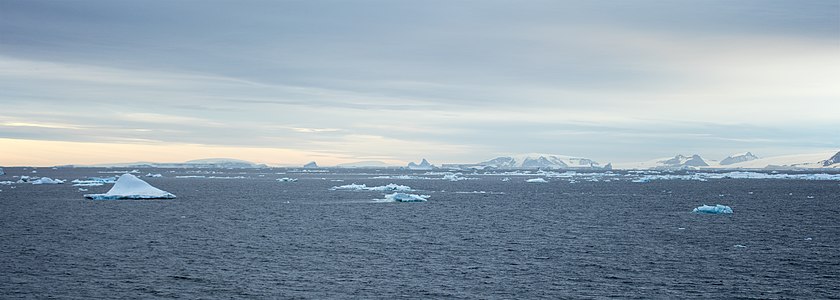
(243,234)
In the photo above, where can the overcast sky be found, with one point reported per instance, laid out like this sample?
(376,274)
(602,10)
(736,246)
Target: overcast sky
(452,81)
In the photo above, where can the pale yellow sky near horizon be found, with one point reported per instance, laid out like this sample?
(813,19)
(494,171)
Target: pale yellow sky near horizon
(36,153)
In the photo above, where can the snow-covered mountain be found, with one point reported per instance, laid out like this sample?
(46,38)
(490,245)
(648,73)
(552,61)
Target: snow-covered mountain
(833,162)
(669,163)
(424,165)
(738,158)
(745,160)
(796,161)
(541,161)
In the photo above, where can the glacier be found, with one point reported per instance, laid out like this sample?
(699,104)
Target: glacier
(130,187)
(717,209)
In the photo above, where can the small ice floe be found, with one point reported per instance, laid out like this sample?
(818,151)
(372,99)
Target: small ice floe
(740,246)
(131,187)
(7,182)
(681,228)
(23,179)
(455,177)
(808,239)
(154,175)
(403,197)
(717,209)
(83,190)
(191,176)
(750,193)
(536,180)
(391,187)
(94,181)
(287,179)
(47,180)
(506,179)
(810,197)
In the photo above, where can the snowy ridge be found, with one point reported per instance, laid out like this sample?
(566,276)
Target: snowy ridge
(540,161)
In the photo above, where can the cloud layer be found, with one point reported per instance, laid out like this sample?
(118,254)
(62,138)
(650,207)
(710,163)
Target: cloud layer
(447,80)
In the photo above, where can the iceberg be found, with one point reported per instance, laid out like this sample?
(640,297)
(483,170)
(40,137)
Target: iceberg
(536,180)
(424,165)
(287,179)
(94,181)
(310,165)
(391,187)
(154,175)
(403,197)
(130,187)
(717,209)
(47,180)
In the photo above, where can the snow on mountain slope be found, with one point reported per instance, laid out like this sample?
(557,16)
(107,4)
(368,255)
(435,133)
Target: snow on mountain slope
(540,161)
(738,158)
(796,161)
(677,162)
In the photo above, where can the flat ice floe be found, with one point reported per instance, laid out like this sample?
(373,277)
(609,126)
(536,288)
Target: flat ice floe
(287,179)
(717,209)
(94,181)
(130,187)
(391,187)
(536,180)
(403,197)
(47,180)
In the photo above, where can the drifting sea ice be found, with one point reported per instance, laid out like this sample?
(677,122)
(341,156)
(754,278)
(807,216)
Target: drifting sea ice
(130,187)
(287,179)
(47,180)
(403,197)
(94,181)
(536,180)
(391,187)
(717,209)
(154,175)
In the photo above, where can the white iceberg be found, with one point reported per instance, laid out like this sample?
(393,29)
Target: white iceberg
(717,209)
(287,179)
(391,187)
(403,197)
(536,180)
(130,187)
(94,181)
(47,180)
(154,175)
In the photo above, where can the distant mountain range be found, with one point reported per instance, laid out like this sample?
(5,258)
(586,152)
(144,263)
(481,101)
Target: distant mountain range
(745,160)
(218,163)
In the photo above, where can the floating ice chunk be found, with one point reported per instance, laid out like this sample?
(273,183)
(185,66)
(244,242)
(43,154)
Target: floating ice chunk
(47,180)
(810,197)
(454,177)
(154,175)
(717,209)
(7,182)
(506,179)
(287,179)
(403,197)
(83,190)
(536,180)
(391,187)
(740,246)
(131,187)
(94,181)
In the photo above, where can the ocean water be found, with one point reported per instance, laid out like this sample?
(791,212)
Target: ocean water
(255,237)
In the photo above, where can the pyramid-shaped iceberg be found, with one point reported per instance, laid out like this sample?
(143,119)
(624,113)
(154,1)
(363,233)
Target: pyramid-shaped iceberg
(130,187)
